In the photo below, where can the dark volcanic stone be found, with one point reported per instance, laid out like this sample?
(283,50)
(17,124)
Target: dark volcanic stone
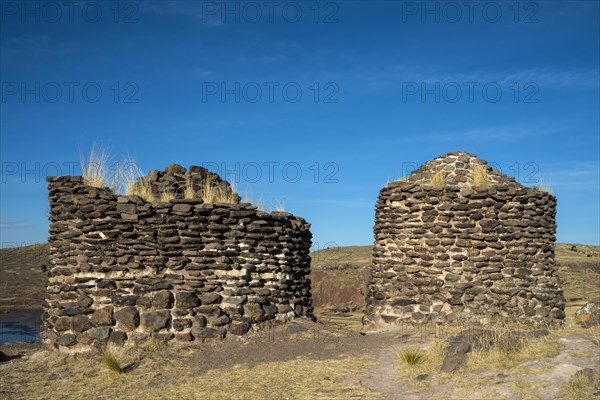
(457,348)
(210,298)
(162,299)
(209,333)
(154,321)
(128,317)
(238,328)
(103,316)
(99,333)
(80,323)
(186,300)
(66,339)
(181,324)
(117,337)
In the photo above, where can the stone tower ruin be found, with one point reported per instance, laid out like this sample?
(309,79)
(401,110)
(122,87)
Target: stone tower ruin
(125,269)
(459,241)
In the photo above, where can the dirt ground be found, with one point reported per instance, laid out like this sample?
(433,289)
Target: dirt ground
(330,359)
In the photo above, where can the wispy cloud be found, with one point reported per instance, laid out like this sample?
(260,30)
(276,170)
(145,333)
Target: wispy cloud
(202,73)
(580,78)
(573,174)
(14,223)
(505,133)
(34,44)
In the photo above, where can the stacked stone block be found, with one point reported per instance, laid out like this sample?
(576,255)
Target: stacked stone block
(459,252)
(124,269)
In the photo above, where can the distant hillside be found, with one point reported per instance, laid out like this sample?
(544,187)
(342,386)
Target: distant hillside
(360,256)
(339,276)
(352,256)
(22,281)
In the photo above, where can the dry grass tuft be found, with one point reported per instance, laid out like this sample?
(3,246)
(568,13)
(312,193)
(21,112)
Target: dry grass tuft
(481,178)
(141,188)
(544,185)
(424,362)
(438,179)
(412,357)
(279,206)
(212,193)
(95,169)
(167,196)
(109,360)
(189,191)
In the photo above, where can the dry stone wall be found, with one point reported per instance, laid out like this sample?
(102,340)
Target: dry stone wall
(459,252)
(125,269)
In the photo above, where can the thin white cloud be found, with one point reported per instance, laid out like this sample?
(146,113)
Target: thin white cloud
(505,133)
(580,78)
(573,174)
(201,72)
(34,44)
(14,223)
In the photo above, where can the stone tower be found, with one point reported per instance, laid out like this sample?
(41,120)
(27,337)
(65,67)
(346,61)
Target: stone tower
(459,241)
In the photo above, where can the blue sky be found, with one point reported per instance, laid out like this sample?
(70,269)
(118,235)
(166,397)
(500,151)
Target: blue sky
(315,105)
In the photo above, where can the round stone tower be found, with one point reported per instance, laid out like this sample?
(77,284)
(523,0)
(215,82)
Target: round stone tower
(459,241)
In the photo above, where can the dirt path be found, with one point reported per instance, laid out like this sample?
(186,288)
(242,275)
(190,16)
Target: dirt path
(547,376)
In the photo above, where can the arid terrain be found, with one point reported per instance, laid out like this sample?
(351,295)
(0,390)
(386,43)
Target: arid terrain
(327,359)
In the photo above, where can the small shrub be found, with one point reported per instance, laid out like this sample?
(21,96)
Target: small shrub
(109,360)
(412,357)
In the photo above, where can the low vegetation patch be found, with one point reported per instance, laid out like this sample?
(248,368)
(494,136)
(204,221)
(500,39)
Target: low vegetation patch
(582,385)
(421,362)
(180,372)
(412,357)
(504,347)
